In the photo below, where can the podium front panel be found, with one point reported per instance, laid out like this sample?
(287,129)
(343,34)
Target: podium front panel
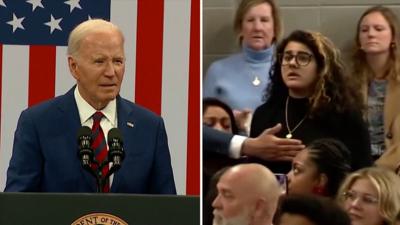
(60,208)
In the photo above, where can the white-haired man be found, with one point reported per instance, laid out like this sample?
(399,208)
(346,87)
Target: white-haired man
(247,195)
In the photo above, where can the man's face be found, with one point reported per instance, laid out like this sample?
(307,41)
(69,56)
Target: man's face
(241,219)
(99,67)
(232,204)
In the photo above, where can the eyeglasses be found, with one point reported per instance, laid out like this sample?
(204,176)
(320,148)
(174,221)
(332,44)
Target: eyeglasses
(301,58)
(364,198)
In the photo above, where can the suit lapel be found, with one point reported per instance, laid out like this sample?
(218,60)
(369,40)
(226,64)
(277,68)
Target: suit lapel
(126,125)
(69,111)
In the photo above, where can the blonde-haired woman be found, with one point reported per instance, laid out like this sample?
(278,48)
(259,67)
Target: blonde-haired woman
(376,70)
(371,196)
(240,79)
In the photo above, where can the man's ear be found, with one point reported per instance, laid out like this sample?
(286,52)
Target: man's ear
(260,211)
(73,66)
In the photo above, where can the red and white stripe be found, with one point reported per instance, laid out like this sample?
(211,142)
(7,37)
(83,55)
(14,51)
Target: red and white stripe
(162,46)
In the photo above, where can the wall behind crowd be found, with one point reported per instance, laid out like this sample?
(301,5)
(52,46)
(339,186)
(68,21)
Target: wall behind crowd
(336,19)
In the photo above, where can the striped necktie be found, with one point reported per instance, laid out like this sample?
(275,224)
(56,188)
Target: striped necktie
(99,146)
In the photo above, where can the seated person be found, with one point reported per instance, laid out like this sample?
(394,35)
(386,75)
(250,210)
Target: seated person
(219,116)
(247,194)
(320,168)
(310,210)
(371,196)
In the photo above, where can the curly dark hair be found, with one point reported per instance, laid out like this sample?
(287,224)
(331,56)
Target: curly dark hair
(333,91)
(333,159)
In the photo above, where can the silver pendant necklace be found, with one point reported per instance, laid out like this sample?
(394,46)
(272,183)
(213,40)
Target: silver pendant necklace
(255,78)
(256,81)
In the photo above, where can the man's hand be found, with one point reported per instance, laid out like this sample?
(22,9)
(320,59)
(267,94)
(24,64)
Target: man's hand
(269,147)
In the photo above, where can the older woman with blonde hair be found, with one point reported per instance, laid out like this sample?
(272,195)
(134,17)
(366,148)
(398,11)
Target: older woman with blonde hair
(239,79)
(371,196)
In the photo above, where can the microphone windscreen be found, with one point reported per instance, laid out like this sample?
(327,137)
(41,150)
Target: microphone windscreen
(84,131)
(114,133)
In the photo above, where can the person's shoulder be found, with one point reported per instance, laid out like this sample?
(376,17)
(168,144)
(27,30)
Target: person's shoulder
(267,106)
(45,106)
(261,108)
(226,62)
(347,118)
(137,109)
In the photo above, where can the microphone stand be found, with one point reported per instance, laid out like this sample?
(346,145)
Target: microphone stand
(100,180)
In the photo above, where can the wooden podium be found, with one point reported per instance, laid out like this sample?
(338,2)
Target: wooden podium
(92,209)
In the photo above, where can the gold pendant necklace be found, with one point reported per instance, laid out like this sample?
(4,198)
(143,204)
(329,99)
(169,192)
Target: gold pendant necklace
(290,132)
(256,81)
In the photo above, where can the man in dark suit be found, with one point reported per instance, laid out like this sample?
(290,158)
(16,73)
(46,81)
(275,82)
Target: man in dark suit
(45,152)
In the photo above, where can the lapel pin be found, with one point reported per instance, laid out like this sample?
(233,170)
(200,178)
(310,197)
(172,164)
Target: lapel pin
(129,124)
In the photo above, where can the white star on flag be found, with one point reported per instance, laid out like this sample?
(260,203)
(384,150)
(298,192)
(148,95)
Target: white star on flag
(2,3)
(73,4)
(35,3)
(16,23)
(54,24)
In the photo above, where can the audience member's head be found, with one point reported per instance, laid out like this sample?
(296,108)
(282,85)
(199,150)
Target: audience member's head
(378,31)
(218,115)
(310,210)
(309,66)
(371,196)
(319,168)
(259,15)
(247,194)
(210,193)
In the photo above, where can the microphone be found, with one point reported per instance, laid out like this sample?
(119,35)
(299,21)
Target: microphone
(115,148)
(84,143)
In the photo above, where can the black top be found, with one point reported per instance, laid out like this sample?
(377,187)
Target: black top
(349,128)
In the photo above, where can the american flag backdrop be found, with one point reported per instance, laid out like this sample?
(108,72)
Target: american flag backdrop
(162,46)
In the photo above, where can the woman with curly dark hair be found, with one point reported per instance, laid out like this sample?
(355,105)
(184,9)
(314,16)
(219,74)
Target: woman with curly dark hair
(312,97)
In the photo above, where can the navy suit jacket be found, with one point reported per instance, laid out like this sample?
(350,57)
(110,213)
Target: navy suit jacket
(45,152)
(216,141)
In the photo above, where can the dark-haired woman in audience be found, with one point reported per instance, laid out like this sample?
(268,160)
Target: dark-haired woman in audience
(218,115)
(311,96)
(310,210)
(376,70)
(371,196)
(319,169)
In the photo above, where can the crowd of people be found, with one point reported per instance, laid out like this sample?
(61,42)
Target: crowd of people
(292,106)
